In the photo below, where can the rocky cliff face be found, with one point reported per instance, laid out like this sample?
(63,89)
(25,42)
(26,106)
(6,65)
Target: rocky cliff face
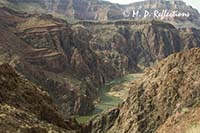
(43,66)
(25,108)
(135,45)
(166,93)
(72,61)
(103,11)
(51,53)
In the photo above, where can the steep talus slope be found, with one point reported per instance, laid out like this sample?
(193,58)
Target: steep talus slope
(185,120)
(171,85)
(166,92)
(25,108)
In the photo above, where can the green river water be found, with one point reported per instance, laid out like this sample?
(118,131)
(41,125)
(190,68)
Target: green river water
(107,101)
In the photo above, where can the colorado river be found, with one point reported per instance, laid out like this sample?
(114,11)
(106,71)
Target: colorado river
(107,101)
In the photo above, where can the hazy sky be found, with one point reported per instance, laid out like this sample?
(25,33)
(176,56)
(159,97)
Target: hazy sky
(193,3)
